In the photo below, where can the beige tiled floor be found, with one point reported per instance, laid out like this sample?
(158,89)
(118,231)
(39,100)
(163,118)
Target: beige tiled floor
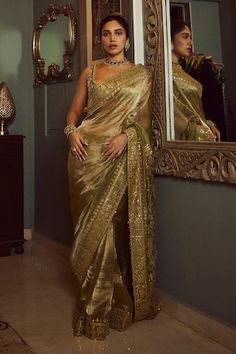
(37,294)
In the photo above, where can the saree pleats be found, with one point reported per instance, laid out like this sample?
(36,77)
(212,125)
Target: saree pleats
(97,218)
(113,254)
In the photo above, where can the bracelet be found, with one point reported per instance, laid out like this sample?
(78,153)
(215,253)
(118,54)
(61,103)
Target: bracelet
(70,128)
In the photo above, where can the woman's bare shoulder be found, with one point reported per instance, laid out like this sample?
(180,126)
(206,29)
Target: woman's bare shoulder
(86,72)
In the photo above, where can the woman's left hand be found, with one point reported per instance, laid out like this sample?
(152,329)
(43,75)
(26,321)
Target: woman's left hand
(216,132)
(114,147)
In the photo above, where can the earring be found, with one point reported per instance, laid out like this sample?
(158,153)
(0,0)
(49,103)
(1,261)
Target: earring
(127,45)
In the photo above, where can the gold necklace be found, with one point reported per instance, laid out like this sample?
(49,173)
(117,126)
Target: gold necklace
(108,61)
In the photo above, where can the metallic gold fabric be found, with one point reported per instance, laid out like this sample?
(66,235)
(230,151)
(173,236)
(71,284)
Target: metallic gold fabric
(113,254)
(189,116)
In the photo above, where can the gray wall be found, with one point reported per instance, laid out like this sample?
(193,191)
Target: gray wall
(196,233)
(16,68)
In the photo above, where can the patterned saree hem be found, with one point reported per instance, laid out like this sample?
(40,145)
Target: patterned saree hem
(119,319)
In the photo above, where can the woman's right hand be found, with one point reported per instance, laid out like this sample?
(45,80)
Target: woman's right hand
(77,144)
(216,132)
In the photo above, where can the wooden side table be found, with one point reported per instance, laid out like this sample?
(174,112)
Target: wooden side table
(11,194)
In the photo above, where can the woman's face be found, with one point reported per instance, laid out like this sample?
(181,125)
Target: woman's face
(182,43)
(113,38)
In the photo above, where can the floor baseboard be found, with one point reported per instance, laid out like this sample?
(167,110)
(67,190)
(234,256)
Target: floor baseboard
(53,245)
(27,234)
(200,322)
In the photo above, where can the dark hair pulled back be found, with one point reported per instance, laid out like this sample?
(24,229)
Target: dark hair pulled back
(113,17)
(177,26)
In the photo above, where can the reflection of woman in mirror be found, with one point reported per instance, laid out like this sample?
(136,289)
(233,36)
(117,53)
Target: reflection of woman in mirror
(111,194)
(189,117)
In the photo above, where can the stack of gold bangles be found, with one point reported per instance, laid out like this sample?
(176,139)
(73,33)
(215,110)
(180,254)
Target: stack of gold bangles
(70,128)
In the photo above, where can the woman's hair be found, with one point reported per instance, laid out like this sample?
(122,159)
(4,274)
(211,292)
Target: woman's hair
(121,20)
(177,26)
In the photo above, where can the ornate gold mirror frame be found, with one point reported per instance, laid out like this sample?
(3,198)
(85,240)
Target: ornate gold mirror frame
(214,162)
(53,71)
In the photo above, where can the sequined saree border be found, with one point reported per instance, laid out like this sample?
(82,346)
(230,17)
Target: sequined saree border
(140,224)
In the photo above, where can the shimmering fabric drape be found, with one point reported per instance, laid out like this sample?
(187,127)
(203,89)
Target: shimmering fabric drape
(189,117)
(113,254)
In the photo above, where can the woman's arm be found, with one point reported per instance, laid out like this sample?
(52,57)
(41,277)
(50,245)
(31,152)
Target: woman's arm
(76,142)
(79,100)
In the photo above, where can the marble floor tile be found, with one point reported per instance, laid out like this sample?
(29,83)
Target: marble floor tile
(37,296)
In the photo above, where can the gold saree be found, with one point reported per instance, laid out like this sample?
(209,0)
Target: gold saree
(189,116)
(113,254)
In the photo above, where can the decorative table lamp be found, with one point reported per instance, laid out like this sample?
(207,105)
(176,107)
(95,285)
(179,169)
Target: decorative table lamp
(7,108)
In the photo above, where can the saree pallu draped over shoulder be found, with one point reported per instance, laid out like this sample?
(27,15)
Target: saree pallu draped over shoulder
(113,254)
(189,116)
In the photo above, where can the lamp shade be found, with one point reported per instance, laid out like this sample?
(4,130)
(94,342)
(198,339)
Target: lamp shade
(7,107)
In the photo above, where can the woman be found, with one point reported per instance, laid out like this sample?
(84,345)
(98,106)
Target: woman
(113,254)
(190,120)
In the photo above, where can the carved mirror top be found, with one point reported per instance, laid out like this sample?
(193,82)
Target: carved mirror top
(54,42)
(198,160)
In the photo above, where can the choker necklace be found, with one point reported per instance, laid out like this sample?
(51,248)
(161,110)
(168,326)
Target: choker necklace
(115,62)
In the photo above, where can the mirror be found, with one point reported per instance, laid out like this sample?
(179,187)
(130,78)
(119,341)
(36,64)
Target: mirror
(203,76)
(209,161)
(54,42)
